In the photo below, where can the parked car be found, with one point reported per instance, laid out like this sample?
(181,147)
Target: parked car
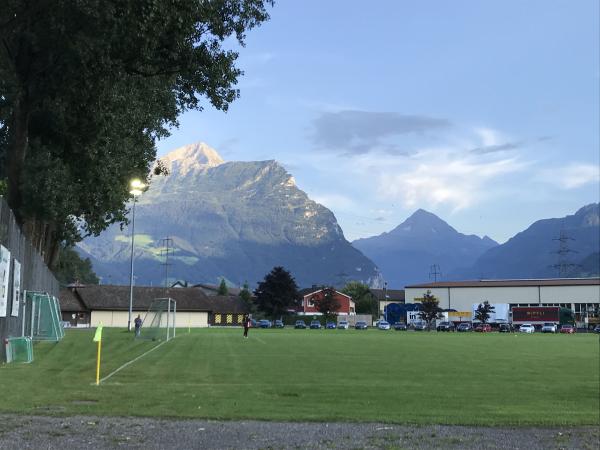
(300,324)
(597,329)
(383,325)
(445,326)
(315,325)
(343,325)
(253,323)
(464,326)
(483,328)
(279,324)
(526,328)
(420,326)
(400,326)
(505,328)
(361,325)
(549,327)
(264,323)
(568,329)
(330,325)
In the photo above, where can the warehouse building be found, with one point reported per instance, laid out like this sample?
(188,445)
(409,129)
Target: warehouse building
(581,295)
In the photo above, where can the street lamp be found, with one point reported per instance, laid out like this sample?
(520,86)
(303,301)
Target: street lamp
(137,187)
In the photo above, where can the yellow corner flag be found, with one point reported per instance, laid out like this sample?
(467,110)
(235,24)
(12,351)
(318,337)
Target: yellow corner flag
(98,335)
(98,339)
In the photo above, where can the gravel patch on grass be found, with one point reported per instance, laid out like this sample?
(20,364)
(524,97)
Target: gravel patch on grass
(34,432)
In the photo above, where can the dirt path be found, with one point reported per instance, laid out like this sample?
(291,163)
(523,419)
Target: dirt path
(36,432)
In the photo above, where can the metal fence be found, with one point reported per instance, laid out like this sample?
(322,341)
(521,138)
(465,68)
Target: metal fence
(35,275)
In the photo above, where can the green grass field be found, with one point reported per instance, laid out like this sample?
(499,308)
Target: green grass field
(310,375)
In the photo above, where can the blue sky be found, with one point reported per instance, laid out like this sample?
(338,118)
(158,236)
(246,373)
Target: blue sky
(485,113)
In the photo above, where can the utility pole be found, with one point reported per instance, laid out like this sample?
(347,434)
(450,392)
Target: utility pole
(435,272)
(166,251)
(563,265)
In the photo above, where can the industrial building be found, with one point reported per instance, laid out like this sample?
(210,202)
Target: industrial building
(581,295)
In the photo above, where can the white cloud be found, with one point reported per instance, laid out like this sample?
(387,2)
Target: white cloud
(489,136)
(439,177)
(336,202)
(571,177)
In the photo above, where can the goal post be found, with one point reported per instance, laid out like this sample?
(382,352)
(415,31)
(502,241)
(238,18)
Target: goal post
(42,317)
(160,320)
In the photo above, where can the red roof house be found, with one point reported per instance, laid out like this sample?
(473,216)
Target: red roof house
(311,298)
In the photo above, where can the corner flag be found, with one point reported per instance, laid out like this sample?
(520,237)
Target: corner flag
(98,335)
(98,339)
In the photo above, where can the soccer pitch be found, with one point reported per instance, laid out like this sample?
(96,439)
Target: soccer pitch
(317,375)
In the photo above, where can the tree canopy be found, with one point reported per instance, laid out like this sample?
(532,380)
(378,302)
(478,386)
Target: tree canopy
(74,269)
(364,299)
(483,311)
(86,89)
(327,304)
(223,290)
(431,309)
(277,293)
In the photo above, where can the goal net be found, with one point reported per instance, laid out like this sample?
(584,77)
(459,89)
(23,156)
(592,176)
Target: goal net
(41,317)
(159,322)
(19,350)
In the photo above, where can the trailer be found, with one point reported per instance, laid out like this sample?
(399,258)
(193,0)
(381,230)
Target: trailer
(539,315)
(498,316)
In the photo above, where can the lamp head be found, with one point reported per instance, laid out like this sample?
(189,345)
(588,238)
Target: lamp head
(137,187)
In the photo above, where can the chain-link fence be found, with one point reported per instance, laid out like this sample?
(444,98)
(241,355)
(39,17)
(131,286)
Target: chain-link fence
(18,257)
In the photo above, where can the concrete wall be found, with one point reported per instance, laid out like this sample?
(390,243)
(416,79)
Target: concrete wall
(461,298)
(119,318)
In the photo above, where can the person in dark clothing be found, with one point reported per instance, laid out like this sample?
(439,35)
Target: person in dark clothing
(246,325)
(138,325)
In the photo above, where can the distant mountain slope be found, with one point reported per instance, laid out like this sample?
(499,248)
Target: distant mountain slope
(405,254)
(533,252)
(232,219)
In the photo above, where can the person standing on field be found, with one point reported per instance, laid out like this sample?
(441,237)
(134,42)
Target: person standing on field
(246,325)
(138,325)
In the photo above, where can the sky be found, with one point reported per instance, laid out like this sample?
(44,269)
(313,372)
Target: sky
(485,113)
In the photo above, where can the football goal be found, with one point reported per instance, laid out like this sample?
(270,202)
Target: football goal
(41,317)
(159,322)
(18,350)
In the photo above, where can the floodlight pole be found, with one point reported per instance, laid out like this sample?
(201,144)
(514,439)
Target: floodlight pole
(137,187)
(131,267)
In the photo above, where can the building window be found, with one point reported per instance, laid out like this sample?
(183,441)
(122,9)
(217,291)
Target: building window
(217,318)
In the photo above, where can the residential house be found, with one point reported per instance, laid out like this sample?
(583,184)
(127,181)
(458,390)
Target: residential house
(94,304)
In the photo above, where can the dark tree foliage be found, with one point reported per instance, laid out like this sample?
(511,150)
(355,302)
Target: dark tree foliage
(88,86)
(71,268)
(364,299)
(328,305)
(277,293)
(222,288)
(246,296)
(431,309)
(483,311)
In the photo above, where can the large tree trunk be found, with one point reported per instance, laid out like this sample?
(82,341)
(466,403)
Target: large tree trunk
(42,236)
(15,157)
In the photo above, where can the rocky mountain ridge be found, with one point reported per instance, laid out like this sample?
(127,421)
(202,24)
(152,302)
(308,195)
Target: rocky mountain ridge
(228,219)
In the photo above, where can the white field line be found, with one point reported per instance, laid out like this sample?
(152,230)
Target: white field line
(131,362)
(259,340)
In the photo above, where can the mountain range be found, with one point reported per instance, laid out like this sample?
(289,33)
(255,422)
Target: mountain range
(419,246)
(558,247)
(235,220)
(424,248)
